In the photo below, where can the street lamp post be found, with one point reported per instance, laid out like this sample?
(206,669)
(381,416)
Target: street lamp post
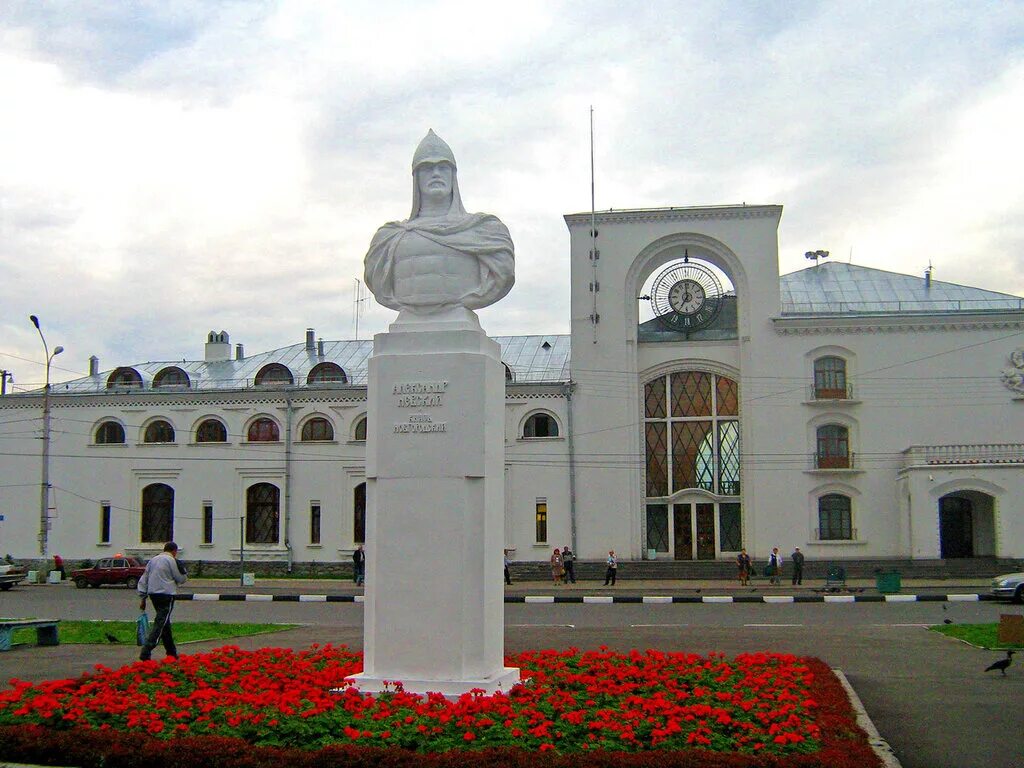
(44,485)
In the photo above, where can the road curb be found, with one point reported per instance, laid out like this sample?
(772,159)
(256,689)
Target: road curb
(617,599)
(878,744)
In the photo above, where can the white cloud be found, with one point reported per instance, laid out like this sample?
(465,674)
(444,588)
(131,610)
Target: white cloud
(171,169)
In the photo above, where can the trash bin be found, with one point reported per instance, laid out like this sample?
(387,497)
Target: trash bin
(53,577)
(652,554)
(888,582)
(32,577)
(248,579)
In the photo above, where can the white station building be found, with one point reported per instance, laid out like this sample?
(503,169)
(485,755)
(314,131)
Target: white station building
(701,404)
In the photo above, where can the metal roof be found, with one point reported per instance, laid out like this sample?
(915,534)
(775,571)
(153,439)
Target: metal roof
(531,359)
(837,288)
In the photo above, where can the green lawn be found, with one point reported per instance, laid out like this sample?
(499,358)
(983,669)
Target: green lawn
(123,632)
(982,635)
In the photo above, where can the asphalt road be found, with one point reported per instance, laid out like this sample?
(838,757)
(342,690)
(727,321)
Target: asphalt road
(928,695)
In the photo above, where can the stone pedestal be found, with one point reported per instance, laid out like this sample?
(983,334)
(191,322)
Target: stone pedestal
(434,601)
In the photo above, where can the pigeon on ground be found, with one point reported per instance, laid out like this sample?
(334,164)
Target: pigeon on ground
(947,621)
(111,638)
(1001,665)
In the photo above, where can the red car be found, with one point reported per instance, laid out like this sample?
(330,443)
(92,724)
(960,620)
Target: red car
(110,570)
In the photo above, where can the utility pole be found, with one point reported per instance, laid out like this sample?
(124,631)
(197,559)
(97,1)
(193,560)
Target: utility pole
(44,485)
(4,376)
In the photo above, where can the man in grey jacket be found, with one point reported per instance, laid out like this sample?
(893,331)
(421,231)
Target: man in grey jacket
(160,584)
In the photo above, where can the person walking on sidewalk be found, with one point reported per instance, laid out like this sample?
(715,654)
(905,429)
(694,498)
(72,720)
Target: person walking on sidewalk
(359,565)
(159,583)
(798,566)
(744,565)
(775,567)
(508,576)
(610,571)
(557,571)
(569,564)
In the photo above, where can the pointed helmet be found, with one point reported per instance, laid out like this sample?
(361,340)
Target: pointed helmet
(433,149)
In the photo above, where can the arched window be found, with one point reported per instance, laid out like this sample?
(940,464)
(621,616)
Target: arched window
(274,374)
(157,513)
(262,514)
(159,432)
(508,373)
(171,377)
(211,431)
(834,517)
(359,433)
(830,378)
(317,429)
(109,433)
(359,514)
(327,373)
(833,451)
(540,425)
(264,430)
(124,377)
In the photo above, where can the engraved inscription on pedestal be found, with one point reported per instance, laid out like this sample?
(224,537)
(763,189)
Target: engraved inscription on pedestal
(420,394)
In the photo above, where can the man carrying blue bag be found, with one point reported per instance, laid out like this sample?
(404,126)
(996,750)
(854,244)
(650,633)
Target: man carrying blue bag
(160,584)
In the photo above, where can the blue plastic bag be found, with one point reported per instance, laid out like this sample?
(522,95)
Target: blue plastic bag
(141,628)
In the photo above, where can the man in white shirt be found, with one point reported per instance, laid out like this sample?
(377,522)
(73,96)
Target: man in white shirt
(160,584)
(775,567)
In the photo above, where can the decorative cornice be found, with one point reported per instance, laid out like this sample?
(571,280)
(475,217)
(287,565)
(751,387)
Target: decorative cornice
(651,215)
(818,325)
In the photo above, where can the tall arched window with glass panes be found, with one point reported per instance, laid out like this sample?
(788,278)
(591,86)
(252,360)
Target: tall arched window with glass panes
(692,462)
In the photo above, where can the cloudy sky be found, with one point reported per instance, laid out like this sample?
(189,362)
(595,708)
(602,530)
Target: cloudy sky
(169,168)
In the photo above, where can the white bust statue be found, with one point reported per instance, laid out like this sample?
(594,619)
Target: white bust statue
(440,258)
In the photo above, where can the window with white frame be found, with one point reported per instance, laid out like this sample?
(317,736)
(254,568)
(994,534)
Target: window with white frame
(541,520)
(314,522)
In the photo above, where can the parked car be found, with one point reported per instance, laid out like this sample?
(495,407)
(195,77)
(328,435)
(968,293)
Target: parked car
(1009,585)
(10,575)
(110,570)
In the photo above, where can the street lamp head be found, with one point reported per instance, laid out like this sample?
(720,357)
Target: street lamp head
(35,321)
(57,350)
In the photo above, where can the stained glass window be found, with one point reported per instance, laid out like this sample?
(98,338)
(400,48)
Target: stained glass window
(727,397)
(729,458)
(657,527)
(691,393)
(657,458)
(692,455)
(730,528)
(654,399)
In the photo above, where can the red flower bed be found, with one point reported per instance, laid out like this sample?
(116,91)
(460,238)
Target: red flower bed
(592,708)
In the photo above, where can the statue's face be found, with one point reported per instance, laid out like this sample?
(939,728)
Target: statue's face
(435,181)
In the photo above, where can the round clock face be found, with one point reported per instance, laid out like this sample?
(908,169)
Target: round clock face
(686,296)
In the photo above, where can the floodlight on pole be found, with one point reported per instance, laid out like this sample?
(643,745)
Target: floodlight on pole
(44,485)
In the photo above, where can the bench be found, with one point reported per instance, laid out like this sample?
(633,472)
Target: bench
(46,631)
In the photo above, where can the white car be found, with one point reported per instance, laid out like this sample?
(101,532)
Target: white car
(1009,585)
